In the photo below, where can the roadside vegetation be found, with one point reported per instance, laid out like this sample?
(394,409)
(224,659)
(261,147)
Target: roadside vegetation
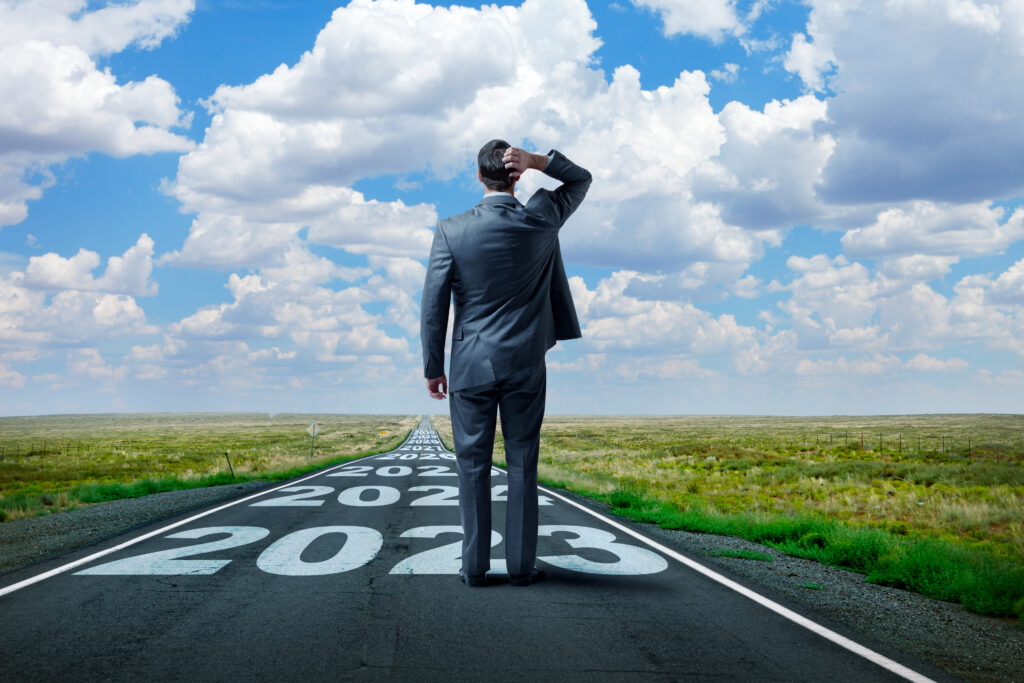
(930,503)
(60,462)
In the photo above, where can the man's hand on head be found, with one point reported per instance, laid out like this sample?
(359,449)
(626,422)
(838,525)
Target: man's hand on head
(519,161)
(437,387)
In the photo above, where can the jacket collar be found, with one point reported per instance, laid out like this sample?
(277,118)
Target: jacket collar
(498,198)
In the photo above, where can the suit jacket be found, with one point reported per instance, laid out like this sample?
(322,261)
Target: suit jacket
(502,263)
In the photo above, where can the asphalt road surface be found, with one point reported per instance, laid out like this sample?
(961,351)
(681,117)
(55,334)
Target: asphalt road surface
(351,573)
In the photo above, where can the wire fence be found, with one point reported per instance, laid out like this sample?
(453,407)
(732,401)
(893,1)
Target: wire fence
(18,449)
(952,444)
(896,444)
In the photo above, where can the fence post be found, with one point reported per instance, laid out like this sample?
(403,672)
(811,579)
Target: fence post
(900,451)
(970,453)
(226,457)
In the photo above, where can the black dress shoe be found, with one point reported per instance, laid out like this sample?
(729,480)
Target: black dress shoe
(474,581)
(525,580)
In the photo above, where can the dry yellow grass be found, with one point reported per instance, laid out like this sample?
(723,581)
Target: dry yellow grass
(773,466)
(43,458)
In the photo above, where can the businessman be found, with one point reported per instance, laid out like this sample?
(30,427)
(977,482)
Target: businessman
(502,263)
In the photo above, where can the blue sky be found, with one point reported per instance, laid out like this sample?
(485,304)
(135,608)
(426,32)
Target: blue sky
(798,207)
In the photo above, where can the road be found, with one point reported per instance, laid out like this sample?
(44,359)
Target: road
(350,573)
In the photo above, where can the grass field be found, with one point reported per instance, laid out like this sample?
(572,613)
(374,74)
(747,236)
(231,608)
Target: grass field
(57,462)
(932,503)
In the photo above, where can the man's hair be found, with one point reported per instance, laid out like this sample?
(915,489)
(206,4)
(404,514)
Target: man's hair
(492,169)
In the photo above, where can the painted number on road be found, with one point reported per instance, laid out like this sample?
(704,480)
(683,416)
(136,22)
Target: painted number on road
(395,471)
(378,495)
(499,494)
(357,546)
(297,499)
(631,559)
(165,562)
(445,559)
(446,495)
(284,556)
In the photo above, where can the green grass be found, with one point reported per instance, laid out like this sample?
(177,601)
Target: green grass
(88,459)
(945,519)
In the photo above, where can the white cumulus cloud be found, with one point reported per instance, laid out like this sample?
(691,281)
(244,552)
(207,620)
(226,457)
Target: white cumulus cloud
(927,228)
(377,93)
(913,120)
(57,103)
(712,19)
(97,31)
(127,274)
(10,377)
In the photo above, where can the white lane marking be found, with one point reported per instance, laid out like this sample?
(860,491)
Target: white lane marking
(71,565)
(823,631)
(827,633)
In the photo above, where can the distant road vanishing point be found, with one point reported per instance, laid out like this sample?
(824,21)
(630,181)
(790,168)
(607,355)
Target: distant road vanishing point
(351,573)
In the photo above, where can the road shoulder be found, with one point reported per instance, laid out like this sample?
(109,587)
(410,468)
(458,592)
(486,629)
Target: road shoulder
(967,645)
(971,646)
(24,542)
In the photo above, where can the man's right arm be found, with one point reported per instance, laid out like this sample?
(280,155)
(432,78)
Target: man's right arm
(437,295)
(575,183)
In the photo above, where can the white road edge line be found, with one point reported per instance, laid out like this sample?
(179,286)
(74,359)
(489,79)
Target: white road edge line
(853,646)
(84,560)
(828,633)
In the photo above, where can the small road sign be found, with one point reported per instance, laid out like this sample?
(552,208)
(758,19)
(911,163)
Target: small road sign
(313,429)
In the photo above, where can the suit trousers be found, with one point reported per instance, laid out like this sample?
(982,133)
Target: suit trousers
(520,397)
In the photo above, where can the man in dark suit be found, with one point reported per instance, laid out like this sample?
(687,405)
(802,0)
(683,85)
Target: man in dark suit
(502,262)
